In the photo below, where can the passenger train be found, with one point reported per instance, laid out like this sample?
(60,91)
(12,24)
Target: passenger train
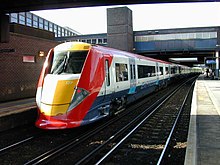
(81,83)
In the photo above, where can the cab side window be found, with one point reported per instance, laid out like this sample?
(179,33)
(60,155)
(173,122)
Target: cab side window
(107,74)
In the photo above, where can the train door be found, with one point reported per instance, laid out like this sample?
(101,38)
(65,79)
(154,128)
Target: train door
(109,87)
(132,76)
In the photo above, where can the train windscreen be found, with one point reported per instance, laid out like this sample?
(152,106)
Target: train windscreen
(69,62)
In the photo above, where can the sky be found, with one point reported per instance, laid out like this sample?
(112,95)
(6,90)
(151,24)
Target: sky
(93,20)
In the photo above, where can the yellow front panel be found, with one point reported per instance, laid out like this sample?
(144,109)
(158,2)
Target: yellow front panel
(64,91)
(51,110)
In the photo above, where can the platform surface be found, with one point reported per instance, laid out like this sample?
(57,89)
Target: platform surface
(13,107)
(17,113)
(203,145)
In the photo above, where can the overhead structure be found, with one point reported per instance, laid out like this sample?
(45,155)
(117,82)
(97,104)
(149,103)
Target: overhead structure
(8,6)
(11,6)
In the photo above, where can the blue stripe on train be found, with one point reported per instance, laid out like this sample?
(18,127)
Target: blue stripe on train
(97,111)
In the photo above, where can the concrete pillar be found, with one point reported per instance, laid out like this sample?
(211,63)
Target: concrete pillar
(120,28)
(217,64)
(4,28)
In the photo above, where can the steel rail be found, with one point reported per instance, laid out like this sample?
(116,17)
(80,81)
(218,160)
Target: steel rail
(174,125)
(16,144)
(4,149)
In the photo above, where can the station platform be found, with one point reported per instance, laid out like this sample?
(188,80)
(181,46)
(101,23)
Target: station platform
(16,113)
(203,144)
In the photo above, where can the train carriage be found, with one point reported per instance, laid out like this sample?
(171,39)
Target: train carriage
(81,83)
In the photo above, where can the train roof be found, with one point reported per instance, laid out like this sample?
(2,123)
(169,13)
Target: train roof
(127,54)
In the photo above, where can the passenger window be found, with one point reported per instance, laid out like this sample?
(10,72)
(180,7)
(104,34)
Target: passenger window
(131,68)
(146,71)
(133,71)
(173,70)
(121,71)
(167,70)
(133,76)
(161,71)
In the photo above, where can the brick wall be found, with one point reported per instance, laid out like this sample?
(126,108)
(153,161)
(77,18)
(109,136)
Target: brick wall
(18,79)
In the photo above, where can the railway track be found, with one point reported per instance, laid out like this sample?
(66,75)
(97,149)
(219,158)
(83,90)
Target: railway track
(94,144)
(79,143)
(146,143)
(23,134)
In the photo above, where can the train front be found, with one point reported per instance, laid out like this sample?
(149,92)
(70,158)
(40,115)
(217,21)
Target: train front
(57,92)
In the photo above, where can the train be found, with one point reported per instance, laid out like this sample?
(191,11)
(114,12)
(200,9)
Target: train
(81,83)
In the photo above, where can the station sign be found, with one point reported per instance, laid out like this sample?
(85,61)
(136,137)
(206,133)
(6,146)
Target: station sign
(28,59)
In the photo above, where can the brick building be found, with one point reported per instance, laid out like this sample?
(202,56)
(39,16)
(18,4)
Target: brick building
(20,63)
